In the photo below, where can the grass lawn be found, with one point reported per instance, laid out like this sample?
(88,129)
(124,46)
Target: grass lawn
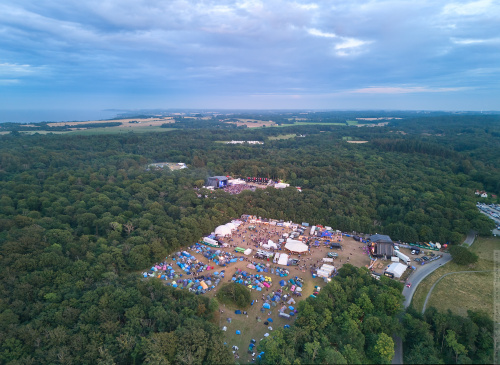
(282,136)
(461,292)
(351,122)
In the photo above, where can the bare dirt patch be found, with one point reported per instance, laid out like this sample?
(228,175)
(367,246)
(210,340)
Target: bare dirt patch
(252,324)
(357,141)
(249,325)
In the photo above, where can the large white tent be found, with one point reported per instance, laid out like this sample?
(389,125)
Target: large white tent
(231,226)
(397,269)
(296,246)
(223,231)
(283,260)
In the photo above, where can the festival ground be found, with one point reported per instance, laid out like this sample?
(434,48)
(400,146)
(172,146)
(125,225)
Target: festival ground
(352,252)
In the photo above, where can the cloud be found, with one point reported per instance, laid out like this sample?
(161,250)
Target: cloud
(9,81)
(466,41)
(225,47)
(319,33)
(470,8)
(17,70)
(403,90)
(346,45)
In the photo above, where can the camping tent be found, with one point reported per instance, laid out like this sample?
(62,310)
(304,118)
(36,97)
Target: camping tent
(283,260)
(296,246)
(266,305)
(248,251)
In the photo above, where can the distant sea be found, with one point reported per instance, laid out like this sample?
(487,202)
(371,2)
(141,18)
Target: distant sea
(37,116)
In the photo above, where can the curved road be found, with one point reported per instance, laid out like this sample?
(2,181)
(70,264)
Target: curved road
(415,278)
(438,280)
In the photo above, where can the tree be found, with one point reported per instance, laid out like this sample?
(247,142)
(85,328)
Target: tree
(384,349)
(452,342)
(234,294)
(462,255)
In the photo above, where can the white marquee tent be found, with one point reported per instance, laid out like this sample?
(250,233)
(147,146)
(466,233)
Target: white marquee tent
(283,260)
(397,269)
(223,231)
(296,246)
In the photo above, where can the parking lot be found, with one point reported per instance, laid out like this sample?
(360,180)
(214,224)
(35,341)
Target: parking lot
(492,211)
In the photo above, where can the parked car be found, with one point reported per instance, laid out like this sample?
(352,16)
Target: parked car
(408,285)
(418,259)
(425,258)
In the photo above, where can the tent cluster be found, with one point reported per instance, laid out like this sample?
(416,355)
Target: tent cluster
(199,285)
(252,281)
(219,257)
(273,299)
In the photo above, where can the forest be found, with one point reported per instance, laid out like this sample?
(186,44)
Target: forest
(80,216)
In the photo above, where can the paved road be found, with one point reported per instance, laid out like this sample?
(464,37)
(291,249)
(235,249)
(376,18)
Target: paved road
(418,275)
(438,280)
(471,236)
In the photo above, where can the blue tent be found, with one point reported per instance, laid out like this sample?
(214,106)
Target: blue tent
(326,234)
(270,319)
(282,283)
(291,308)
(266,305)
(237,311)
(238,332)
(286,326)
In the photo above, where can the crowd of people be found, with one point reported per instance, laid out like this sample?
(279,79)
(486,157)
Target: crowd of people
(238,188)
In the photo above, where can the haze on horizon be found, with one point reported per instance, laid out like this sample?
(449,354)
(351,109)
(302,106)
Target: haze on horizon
(273,54)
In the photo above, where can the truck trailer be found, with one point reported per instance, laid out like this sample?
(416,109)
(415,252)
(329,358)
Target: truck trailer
(403,257)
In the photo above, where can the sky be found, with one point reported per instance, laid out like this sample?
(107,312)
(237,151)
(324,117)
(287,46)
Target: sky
(251,54)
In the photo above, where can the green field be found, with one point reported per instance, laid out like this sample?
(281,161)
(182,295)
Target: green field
(351,122)
(300,123)
(282,136)
(461,292)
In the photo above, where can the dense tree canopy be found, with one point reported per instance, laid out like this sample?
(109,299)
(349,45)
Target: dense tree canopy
(352,320)
(80,215)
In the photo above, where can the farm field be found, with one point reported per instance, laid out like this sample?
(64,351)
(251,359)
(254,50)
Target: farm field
(118,130)
(469,291)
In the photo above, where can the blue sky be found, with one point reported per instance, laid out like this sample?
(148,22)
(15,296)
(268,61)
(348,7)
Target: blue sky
(345,54)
